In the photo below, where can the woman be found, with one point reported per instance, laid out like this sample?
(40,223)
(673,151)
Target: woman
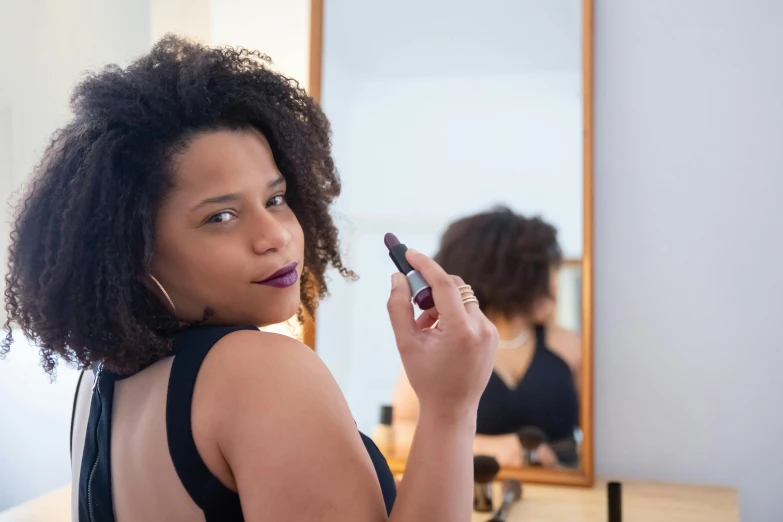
(185,204)
(511,262)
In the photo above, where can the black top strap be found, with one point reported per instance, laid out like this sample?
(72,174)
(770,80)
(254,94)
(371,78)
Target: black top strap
(382,471)
(540,337)
(96,503)
(190,348)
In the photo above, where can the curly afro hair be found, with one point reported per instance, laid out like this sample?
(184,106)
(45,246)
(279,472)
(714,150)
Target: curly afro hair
(84,233)
(507,259)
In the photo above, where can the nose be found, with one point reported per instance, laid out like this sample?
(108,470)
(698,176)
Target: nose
(270,234)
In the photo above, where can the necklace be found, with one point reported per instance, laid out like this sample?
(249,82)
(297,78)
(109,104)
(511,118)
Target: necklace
(519,340)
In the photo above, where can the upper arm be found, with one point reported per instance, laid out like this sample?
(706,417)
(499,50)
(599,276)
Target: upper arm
(287,434)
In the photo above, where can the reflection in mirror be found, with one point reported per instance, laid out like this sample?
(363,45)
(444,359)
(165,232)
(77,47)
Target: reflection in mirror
(529,412)
(460,130)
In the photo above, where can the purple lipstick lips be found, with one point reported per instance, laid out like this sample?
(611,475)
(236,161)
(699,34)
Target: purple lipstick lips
(283,278)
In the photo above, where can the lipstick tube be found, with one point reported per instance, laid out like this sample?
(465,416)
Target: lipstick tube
(420,290)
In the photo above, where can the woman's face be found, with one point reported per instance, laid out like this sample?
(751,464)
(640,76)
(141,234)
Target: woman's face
(225,229)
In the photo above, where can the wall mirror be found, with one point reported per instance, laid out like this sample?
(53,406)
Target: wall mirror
(444,111)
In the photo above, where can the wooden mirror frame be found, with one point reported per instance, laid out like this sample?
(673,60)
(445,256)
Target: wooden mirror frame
(585,475)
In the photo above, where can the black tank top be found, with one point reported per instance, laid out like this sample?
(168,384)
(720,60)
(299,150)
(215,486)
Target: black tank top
(545,398)
(217,502)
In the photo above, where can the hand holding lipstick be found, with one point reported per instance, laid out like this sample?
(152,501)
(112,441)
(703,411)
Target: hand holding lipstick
(448,366)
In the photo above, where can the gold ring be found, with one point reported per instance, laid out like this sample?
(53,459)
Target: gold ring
(465,300)
(471,299)
(467,297)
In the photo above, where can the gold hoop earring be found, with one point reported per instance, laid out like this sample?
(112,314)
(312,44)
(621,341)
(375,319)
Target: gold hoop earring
(173,308)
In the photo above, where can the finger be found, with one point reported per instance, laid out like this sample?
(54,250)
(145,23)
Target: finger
(473,309)
(400,308)
(427,319)
(444,291)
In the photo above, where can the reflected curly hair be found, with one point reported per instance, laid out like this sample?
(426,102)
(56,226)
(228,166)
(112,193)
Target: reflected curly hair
(507,259)
(84,233)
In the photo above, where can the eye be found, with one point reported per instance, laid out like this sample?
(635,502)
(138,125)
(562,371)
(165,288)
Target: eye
(276,201)
(221,217)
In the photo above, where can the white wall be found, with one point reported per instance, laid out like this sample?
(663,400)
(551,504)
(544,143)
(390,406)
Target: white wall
(36,418)
(689,287)
(443,147)
(279,29)
(190,18)
(48,44)
(58,49)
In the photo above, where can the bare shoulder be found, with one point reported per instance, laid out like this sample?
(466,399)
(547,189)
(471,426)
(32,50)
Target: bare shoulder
(281,424)
(258,345)
(263,359)
(567,344)
(261,371)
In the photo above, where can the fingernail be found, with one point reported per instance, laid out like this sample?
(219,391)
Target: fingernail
(412,251)
(396,279)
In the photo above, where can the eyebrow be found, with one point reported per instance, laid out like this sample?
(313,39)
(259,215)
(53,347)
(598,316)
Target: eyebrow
(228,198)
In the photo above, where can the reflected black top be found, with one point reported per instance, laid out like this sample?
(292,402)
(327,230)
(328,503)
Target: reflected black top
(546,398)
(218,502)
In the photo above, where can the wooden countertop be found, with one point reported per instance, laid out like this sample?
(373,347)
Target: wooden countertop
(642,502)
(54,506)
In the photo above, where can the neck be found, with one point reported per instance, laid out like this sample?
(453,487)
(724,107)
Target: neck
(511,327)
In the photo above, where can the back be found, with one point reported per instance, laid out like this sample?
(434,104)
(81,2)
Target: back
(145,485)
(135,455)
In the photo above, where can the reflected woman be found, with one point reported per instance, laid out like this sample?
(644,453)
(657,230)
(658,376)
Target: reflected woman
(532,397)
